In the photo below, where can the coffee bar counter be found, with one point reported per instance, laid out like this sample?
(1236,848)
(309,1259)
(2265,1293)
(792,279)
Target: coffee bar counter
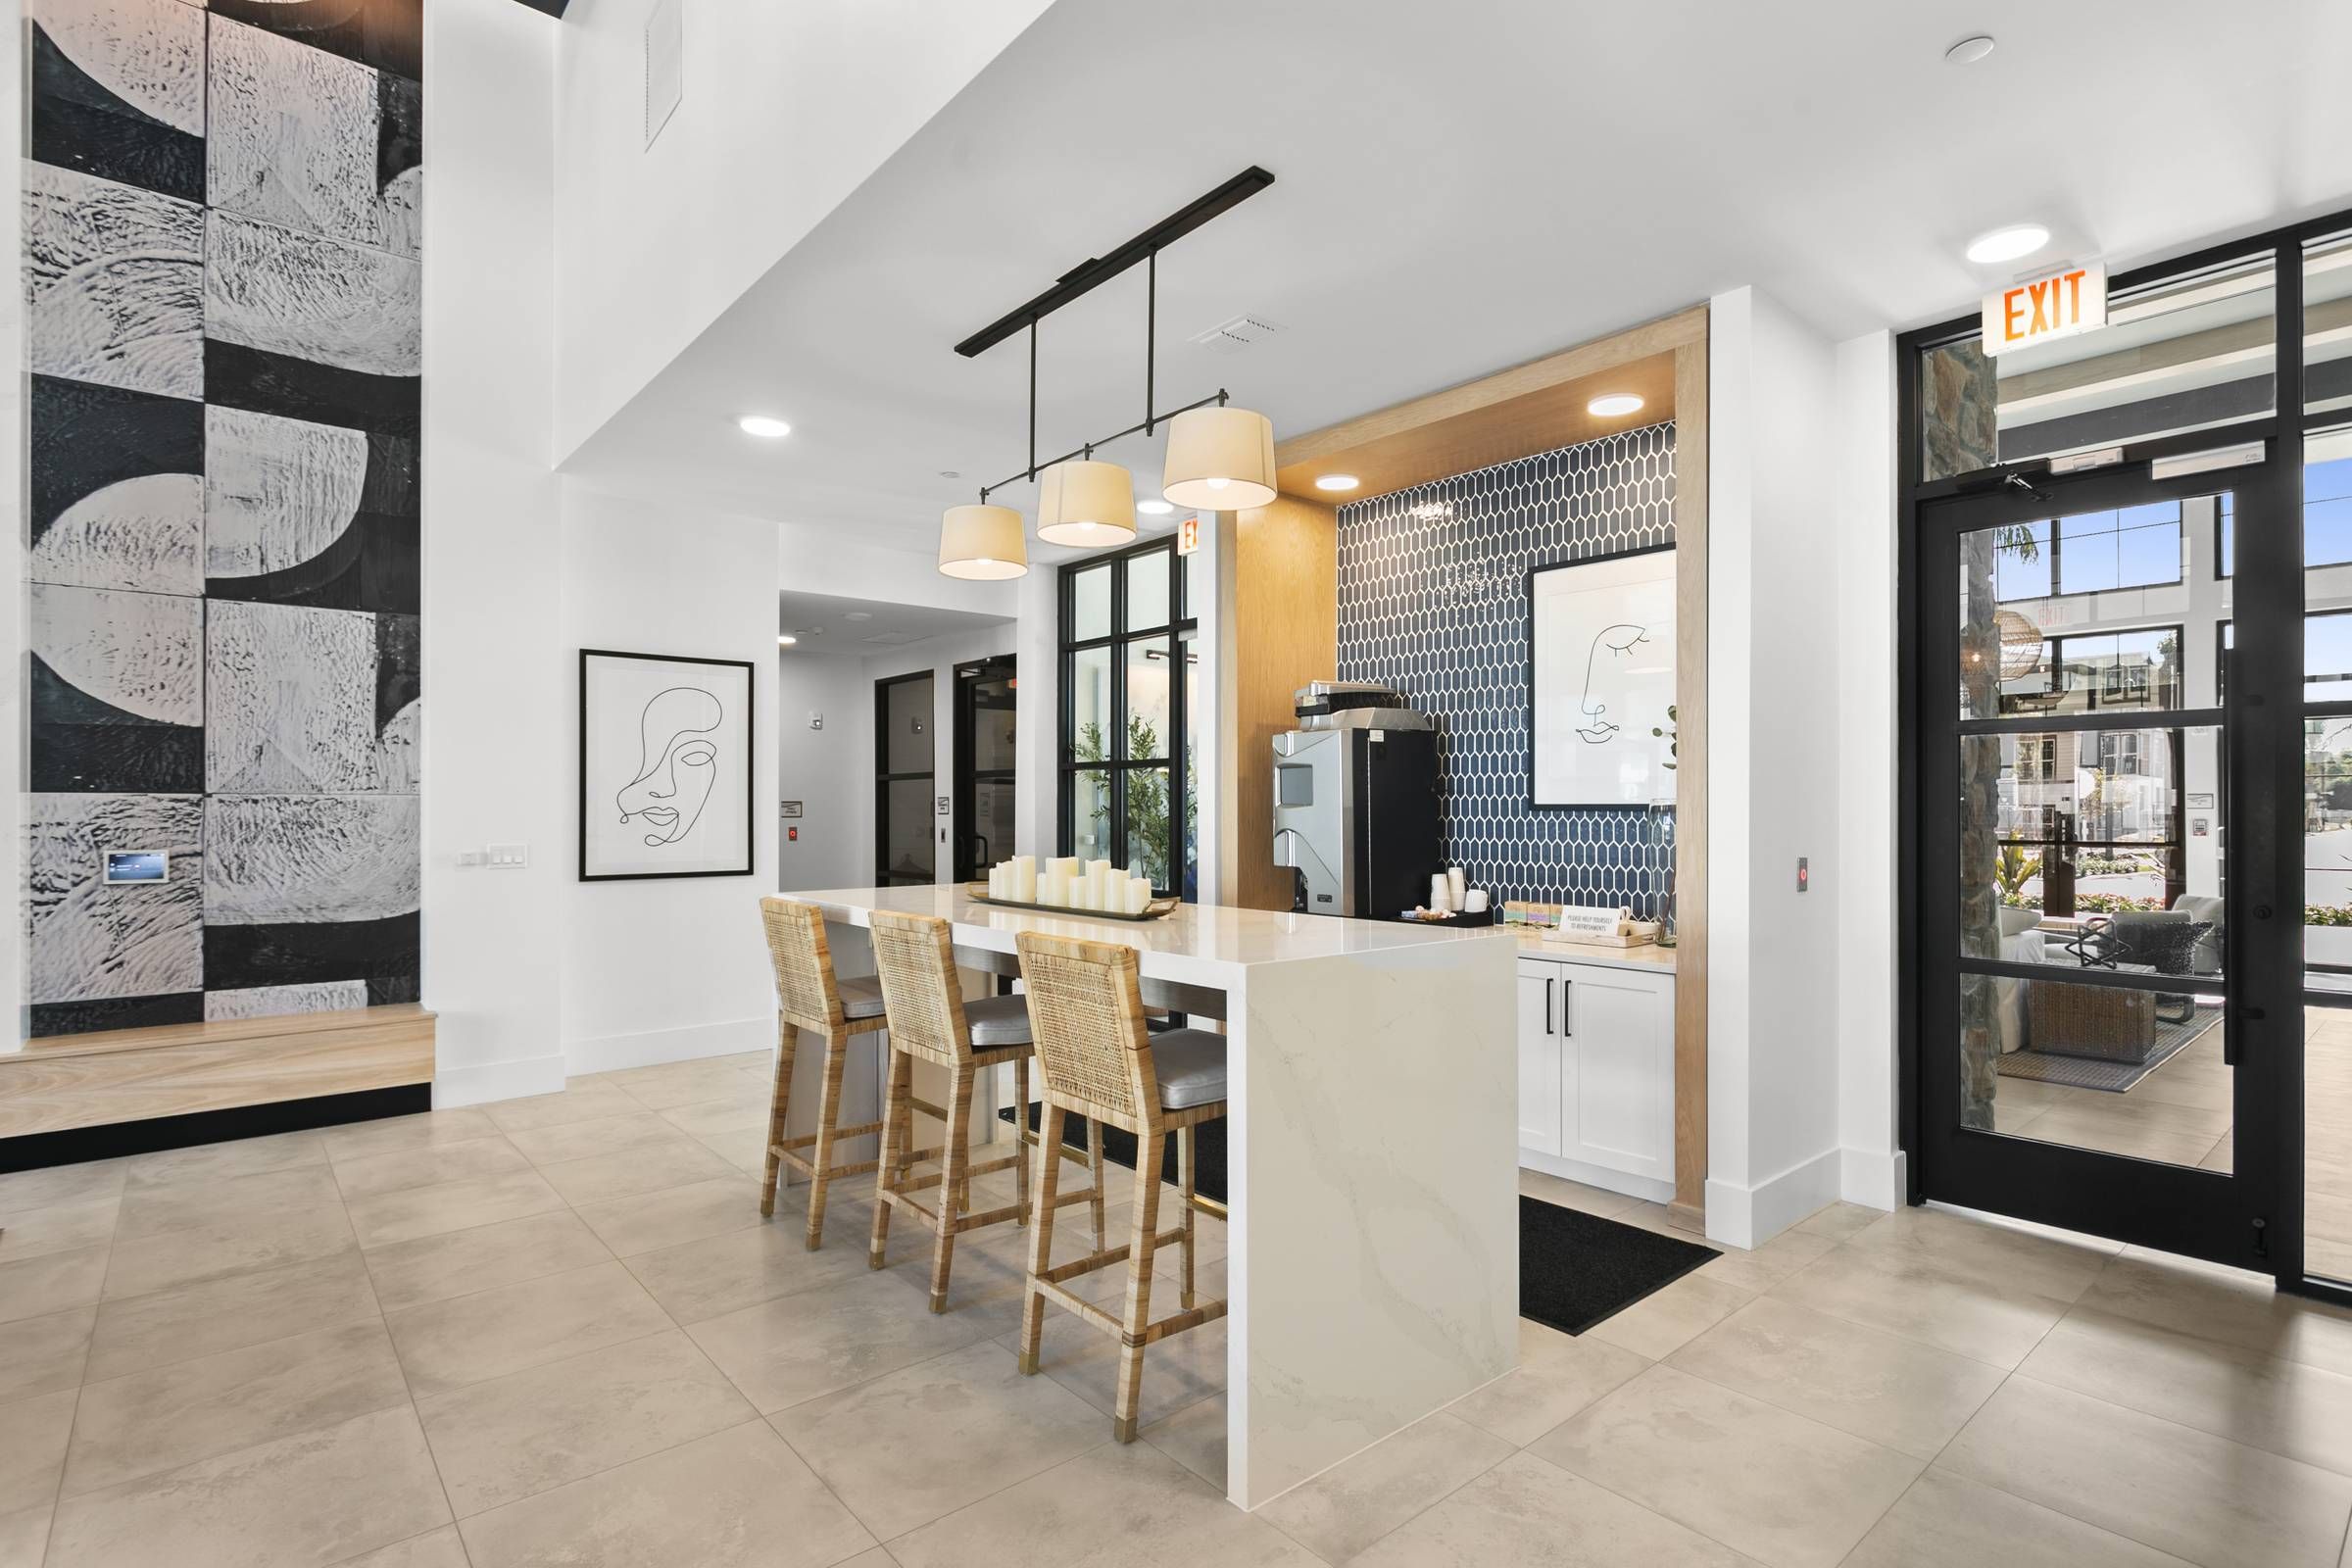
(1373,1254)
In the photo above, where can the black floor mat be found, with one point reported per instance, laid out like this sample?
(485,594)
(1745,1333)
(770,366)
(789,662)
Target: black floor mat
(1576,1269)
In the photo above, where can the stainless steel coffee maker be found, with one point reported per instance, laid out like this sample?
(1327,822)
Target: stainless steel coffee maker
(1356,801)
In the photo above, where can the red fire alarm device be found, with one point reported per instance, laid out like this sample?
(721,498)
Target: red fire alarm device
(792,835)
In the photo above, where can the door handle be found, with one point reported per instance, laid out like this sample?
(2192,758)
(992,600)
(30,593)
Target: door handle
(1547,1004)
(1566,1033)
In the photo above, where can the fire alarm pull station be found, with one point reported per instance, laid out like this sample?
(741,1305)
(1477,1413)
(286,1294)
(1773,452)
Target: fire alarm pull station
(792,835)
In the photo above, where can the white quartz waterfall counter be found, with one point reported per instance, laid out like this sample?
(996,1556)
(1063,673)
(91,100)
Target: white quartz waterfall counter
(1371,1158)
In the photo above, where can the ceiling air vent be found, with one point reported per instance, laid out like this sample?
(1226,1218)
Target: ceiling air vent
(890,637)
(1230,337)
(664,65)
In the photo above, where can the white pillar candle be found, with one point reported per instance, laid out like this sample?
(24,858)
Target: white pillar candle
(1139,895)
(996,881)
(1082,895)
(1024,878)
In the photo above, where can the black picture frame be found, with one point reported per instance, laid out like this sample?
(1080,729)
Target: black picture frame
(1527,599)
(750,688)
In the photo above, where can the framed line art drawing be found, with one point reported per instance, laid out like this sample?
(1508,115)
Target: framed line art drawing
(666,766)
(1600,680)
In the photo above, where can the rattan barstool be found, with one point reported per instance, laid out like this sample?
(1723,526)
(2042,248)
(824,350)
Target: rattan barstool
(810,998)
(1099,1061)
(931,1021)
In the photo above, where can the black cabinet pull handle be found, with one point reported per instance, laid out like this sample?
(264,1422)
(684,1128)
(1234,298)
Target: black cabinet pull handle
(1566,1033)
(1547,1004)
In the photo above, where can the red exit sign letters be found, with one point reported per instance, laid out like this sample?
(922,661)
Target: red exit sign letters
(2042,310)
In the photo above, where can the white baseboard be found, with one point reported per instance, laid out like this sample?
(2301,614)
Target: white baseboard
(654,1047)
(496,1080)
(1614,1181)
(1749,1216)
(1873,1178)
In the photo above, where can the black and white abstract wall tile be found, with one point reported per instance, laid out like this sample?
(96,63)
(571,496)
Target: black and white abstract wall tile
(224,307)
(1433,601)
(117,483)
(113,285)
(117,91)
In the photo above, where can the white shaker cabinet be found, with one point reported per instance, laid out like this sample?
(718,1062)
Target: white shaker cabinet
(1596,1073)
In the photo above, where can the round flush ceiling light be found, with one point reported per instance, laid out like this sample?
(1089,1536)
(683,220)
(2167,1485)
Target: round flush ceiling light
(1219,460)
(982,543)
(1614,405)
(1086,504)
(1153,509)
(1337,482)
(763,427)
(2008,244)
(1968,50)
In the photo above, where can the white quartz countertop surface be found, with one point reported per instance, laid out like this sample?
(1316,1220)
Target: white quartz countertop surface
(1197,943)
(1648,957)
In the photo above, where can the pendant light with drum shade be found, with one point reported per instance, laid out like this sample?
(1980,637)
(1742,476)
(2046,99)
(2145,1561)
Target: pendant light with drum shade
(1218,458)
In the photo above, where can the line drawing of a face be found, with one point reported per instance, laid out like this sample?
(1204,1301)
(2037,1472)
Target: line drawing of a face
(676,765)
(1620,639)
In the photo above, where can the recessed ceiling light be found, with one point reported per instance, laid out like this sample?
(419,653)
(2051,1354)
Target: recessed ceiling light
(1153,509)
(2008,244)
(1968,50)
(1337,482)
(784,639)
(1613,405)
(763,427)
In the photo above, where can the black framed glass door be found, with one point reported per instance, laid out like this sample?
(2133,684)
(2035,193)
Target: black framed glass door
(905,772)
(986,730)
(2103,997)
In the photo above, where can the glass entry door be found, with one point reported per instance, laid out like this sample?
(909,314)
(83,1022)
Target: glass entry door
(2107,974)
(986,729)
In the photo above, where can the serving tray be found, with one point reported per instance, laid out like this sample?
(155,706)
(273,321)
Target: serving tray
(1157,910)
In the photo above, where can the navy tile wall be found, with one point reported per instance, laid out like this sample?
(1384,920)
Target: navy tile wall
(1433,601)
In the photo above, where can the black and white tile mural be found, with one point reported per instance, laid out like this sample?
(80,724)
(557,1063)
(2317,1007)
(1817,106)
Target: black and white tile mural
(1433,601)
(222,282)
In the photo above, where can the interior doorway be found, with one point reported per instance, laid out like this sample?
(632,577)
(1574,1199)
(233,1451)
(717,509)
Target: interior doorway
(905,851)
(986,729)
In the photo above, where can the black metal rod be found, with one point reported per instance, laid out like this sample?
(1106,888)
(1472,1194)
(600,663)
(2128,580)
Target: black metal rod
(1092,274)
(1086,448)
(1150,332)
(1032,401)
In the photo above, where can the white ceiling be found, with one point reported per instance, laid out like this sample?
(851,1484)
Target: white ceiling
(864,627)
(1459,187)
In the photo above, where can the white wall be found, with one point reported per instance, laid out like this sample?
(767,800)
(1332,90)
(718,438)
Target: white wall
(829,771)
(663,970)
(496,683)
(788,108)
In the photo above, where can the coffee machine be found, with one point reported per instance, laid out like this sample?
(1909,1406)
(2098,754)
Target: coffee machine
(1356,801)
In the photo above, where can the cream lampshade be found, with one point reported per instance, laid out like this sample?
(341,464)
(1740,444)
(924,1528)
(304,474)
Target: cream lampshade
(1220,459)
(1085,503)
(983,542)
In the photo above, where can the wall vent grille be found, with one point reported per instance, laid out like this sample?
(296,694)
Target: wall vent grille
(1242,332)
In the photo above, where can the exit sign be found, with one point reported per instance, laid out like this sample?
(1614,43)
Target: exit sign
(1188,535)
(2043,310)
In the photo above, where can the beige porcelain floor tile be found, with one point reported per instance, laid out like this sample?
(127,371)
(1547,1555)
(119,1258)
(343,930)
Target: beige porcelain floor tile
(1557,1376)
(2217,1303)
(223,1200)
(1784,1490)
(365,1138)
(1948,1521)
(1663,1322)
(224,1314)
(403,1216)
(1159,1514)
(531,1431)
(1342,1511)
(2040,1261)
(242,1244)
(60,1228)
(739,1498)
(25,1536)
(1193,1437)
(816,1342)
(43,1354)
(51,1184)
(688,1083)
(674,1162)
(1573,1195)
(471,1338)
(435,1548)
(1840,1220)
(745,1149)
(676,1215)
(159,1420)
(319,1496)
(434,1165)
(706,1117)
(2167,1485)
(2304,1413)
(51,1283)
(1759,1270)
(1183,1370)
(602,1134)
(973,1404)
(583,1101)
(242,1156)
(740,1268)
(434,1268)
(33,1449)
(1894,1391)
(1982,1316)
(1530,1514)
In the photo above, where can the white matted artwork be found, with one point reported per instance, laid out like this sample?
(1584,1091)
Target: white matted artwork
(1600,639)
(666,766)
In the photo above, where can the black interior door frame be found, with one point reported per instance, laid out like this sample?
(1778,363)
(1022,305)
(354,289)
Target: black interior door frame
(884,778)
(972,856)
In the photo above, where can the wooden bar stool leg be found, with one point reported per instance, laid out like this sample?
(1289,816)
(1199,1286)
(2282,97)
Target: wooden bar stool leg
(1041,1233)
(828,1117)
(787,1038)
(1093,1165)
(1020,1130)
(1188,1160)
(897,1131)
(1147,1154)
(954,1177)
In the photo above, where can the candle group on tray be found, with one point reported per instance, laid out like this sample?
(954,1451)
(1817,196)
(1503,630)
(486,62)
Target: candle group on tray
(1069,883)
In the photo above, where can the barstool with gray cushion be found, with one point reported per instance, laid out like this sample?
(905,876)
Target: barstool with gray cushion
(1100,1061)
(930,1021)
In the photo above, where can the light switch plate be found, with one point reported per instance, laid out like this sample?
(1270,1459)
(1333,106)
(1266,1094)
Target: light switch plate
(509,856)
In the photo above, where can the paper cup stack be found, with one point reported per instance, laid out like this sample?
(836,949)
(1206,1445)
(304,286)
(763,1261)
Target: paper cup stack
(1068,883)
